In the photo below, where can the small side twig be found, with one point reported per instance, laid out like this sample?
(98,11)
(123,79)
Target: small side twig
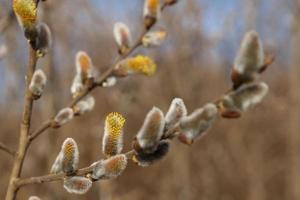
(6,149)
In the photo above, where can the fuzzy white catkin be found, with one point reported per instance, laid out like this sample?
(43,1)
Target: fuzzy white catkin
(70,158)
(251,54)
(57,165)
(38,83)
(64,116)
(109,168)
(77,185)
(248,95)
(176,112)
(122,35)
(110,82)
(154,39)
(152,129)
(88,61)
(194,125)
(85,105)
(77,85)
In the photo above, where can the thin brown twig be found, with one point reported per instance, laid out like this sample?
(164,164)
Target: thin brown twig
(86,170)
(24,130)
(6,149)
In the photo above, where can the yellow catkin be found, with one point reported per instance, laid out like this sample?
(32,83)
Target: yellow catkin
(69,151)
(26,10)
(112,142)
(142,64)
(153,5)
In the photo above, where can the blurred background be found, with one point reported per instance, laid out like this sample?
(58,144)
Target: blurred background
(256,157)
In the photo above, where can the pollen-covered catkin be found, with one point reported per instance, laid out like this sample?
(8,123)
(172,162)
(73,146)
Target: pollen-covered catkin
(137,65)
(248,60)
(37,83)
(151,131)
(84,66)
(70,157)
(26,12)
(112,142)
(109,168)
(197,123)
(77,184)
(64,116)
(122,37)
(245,97)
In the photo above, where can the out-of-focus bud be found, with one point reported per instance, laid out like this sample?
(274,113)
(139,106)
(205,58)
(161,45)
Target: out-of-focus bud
(34,198)
(110,168)
(37,83)
(151,132)
(77,185)
(151,12)
(26,12)
(77,85)
(3,51)
(122,36)
(170,2)
(245,97)
(43,40)
(196,124)
(110,82)
(146,159)
(63,117)
(155,38)
(249,59)
(84,106)
(175,113)
(70,157)
(137,65)
(112,142)
(84,67)
(57,165)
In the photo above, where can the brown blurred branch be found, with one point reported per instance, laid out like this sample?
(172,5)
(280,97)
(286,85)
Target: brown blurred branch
(6,149)
(24,130)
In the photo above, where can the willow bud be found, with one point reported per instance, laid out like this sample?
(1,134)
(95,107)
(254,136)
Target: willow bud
(77,85)
(122,36)
(112,142)
(196,124)
(109,168)
(63,117)
(245,97)
(84,106)
(154,39)
(151,132)
(109,82)
(151,12)
(84,67)
(77,185)
(70,157)
(249,59)
(175,113)
(38,83)
(43,40)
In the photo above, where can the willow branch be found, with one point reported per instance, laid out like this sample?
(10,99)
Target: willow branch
(83,171)
(98,83)
(6,149)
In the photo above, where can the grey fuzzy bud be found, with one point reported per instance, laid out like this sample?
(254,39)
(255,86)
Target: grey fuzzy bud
(63,117)
(194,125)
(152,130)
(43,40)
(175,113)
(77,185)
(38,83)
